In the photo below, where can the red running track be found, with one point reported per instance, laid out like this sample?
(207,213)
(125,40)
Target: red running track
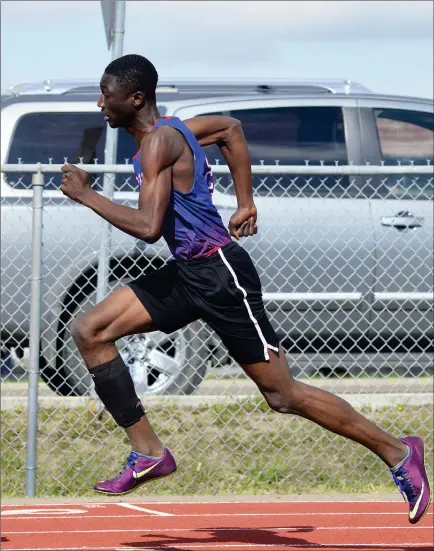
(221,526)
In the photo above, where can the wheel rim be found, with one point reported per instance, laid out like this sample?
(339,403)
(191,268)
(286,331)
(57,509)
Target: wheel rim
(155,361)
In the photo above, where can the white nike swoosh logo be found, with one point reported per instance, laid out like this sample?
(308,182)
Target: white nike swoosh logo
(146,471)
(416,506)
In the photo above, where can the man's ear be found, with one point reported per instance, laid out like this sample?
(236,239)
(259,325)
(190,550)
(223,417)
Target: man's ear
(138,100)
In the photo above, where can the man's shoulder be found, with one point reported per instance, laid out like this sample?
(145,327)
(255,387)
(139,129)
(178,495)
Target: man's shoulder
(154,135)
(161,134)
(164,140)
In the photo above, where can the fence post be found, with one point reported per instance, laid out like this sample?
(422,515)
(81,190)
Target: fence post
(111,144)
(103,270)
(35,333)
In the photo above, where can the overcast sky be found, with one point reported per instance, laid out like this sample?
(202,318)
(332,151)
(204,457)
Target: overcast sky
(387,46)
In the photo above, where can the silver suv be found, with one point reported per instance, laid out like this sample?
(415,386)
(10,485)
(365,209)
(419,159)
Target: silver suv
(346,262)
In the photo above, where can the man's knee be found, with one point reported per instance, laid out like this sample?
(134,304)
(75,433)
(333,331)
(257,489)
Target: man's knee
(84,332)
(285,400)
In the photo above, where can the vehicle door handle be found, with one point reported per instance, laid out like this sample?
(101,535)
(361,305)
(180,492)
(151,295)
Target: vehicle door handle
(402,220)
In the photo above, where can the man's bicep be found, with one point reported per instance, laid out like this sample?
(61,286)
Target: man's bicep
(157,164)
(154,199)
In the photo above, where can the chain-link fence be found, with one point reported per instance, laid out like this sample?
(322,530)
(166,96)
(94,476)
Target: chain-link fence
(345,256)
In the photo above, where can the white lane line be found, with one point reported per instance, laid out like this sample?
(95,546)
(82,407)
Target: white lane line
(295,529)
(143,510)
(194,515)
(42,512)
(282,502)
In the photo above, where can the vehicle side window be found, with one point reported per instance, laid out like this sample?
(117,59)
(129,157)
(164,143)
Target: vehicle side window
(56,138)
(293,136)
(406,137)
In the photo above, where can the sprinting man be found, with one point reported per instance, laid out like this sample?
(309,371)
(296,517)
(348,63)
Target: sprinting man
(211,278)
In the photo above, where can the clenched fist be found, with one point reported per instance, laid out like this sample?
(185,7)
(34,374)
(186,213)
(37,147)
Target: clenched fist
(244,222)
(75,182)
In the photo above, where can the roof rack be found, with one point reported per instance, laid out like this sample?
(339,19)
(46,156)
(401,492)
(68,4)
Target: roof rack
(265,86)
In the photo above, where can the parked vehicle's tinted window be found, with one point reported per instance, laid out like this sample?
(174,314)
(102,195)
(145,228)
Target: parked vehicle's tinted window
(292,136)
(55,138)
(39,137)
(406,137)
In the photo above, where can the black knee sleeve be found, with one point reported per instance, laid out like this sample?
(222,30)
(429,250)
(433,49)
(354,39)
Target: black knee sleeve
(115,388)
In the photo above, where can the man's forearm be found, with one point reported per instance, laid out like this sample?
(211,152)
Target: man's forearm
(236,153)
(129,220)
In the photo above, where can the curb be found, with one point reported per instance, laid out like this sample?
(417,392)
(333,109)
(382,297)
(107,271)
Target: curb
(373,400)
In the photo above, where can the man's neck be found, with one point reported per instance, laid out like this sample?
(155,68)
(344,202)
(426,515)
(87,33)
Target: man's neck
(143,123)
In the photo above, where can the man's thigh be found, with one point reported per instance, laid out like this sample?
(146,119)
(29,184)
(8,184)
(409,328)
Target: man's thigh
(229,298)
(119,314)
(162,295)
(153,302)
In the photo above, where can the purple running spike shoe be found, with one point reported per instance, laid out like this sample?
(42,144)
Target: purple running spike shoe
(412,480)
(138,470)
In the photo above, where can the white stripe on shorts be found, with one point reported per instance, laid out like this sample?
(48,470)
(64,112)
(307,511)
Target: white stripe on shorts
(251,316)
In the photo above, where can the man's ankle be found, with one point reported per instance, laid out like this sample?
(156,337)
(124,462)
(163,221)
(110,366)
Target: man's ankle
(151,452)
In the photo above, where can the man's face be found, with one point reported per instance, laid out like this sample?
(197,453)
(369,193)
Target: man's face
(116,103)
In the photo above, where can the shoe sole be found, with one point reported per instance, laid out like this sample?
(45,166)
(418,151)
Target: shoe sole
(135,487)
(423,514)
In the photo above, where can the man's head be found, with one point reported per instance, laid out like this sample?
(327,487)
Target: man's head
(126,85)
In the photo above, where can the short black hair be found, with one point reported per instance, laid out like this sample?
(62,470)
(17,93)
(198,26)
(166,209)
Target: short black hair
(134,72)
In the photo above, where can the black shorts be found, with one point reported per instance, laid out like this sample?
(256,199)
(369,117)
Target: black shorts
(224,290)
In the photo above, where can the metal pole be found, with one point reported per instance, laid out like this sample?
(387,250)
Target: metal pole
(35,334)
(110,158)
(111,144)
